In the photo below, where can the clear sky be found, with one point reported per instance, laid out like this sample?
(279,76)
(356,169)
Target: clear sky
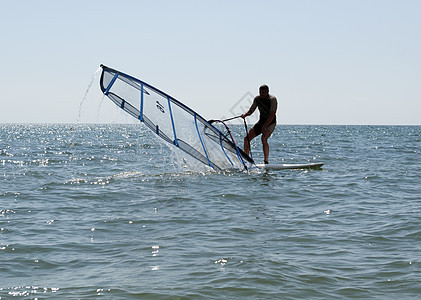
(327,61)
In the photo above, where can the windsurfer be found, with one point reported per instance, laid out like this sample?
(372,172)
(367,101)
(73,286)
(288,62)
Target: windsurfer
(267,105)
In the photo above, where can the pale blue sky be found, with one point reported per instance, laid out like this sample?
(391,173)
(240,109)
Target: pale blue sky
(327,61)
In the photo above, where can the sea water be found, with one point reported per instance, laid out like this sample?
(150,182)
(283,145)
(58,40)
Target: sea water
(111,212)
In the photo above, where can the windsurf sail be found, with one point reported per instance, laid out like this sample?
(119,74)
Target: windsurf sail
(173,121)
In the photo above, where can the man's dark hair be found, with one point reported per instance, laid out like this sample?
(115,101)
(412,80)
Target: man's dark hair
(264,87)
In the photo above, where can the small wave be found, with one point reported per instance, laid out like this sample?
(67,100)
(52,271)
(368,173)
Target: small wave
(27,291)
(128,174)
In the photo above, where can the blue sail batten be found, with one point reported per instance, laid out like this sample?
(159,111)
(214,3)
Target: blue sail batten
(141,102)
(200,137)
(111,83)
(222,147)
(172,122)
(240,157)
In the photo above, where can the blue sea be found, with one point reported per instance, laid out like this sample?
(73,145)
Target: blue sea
(111,212)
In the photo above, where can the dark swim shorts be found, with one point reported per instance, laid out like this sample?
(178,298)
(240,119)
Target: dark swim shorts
(257,128)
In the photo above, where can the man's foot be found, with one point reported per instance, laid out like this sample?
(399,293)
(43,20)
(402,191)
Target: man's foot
(266,162)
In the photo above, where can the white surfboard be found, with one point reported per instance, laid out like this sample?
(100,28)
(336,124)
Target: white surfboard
(290,166)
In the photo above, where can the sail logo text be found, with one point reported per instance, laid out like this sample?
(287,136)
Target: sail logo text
(160,107)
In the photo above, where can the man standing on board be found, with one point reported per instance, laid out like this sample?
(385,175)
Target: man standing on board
(267,105)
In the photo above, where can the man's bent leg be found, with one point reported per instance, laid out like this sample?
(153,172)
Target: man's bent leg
(265,143)
(251,135)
